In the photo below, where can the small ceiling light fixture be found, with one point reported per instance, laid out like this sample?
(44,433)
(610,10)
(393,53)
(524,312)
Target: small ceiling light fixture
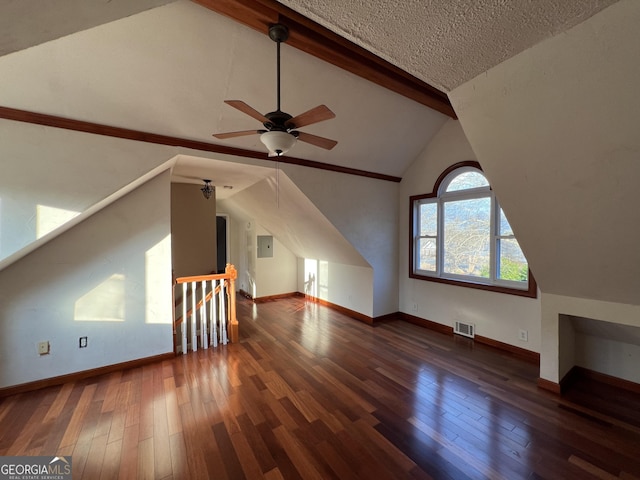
(208,189)
(278,143)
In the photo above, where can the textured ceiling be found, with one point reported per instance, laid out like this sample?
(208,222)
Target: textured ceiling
(446,43)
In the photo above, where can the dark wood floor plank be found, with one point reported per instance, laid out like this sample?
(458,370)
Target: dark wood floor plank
(299,455)
(310,393)
(286,468)
(256,443)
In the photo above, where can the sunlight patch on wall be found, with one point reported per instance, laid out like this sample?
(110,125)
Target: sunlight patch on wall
(253,288)
(104,303)
(323,280)
(157,286)
(50,218)
(310,277)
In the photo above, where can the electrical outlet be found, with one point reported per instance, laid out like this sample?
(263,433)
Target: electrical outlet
(523,335)
(43,348)
(83,342)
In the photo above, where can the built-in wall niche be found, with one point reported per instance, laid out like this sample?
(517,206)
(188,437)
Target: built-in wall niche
(600,346)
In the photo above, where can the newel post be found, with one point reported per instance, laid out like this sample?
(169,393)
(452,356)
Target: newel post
(232,273)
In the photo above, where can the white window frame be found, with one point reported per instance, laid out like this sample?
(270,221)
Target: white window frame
(440,197)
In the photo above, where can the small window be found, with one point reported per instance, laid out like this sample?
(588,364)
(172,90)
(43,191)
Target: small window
(462,236)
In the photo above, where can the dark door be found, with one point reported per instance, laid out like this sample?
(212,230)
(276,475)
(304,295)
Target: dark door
(221,243)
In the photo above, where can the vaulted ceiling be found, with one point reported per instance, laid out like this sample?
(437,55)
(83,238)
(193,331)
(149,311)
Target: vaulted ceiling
(165,67)
(168,70)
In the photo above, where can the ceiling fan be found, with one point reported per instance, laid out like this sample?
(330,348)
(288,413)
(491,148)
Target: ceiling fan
(280,133)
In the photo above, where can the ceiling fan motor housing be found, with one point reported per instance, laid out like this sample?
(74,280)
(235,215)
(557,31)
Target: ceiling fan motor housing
(277,121)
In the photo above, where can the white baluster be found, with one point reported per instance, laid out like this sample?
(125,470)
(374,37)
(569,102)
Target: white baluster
(203,316)
(223,315)
(214,315)
(183,327)
(194,331)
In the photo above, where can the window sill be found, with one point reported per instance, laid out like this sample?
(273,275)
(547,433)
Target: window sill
(531,292)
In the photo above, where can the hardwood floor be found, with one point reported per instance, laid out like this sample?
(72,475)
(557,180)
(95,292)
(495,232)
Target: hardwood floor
(308,393)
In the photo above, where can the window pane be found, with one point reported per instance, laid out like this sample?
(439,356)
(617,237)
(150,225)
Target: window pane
(467,237)
(511,262)
(467,180)
(427,254)
(428,219)
(505,228)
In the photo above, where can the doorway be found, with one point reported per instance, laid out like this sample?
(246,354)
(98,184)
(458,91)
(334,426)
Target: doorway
(222,242)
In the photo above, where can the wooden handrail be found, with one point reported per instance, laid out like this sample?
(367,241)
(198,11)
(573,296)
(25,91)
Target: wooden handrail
(230,273)
(201,278)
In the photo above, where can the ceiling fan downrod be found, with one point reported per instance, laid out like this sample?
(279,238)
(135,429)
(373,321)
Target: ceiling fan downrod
(278,33)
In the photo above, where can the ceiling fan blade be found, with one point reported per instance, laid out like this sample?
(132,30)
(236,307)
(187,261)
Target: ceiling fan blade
(315,115)
(242,133)
(244,108)
(321,142)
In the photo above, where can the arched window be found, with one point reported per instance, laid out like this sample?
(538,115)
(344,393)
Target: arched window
(460,235)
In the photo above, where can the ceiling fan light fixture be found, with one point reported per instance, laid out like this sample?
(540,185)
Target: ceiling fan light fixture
(278,143)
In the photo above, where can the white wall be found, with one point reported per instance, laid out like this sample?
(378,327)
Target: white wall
(618,359)
(497,316)
(275,275)
(283,210)
(347,286)
(364,211)
(108,278)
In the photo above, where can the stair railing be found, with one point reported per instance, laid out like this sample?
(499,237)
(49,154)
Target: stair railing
(212,310)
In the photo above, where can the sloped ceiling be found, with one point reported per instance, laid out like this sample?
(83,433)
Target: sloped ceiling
(612,331)
(26,23)
(168,71)
(291,217)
